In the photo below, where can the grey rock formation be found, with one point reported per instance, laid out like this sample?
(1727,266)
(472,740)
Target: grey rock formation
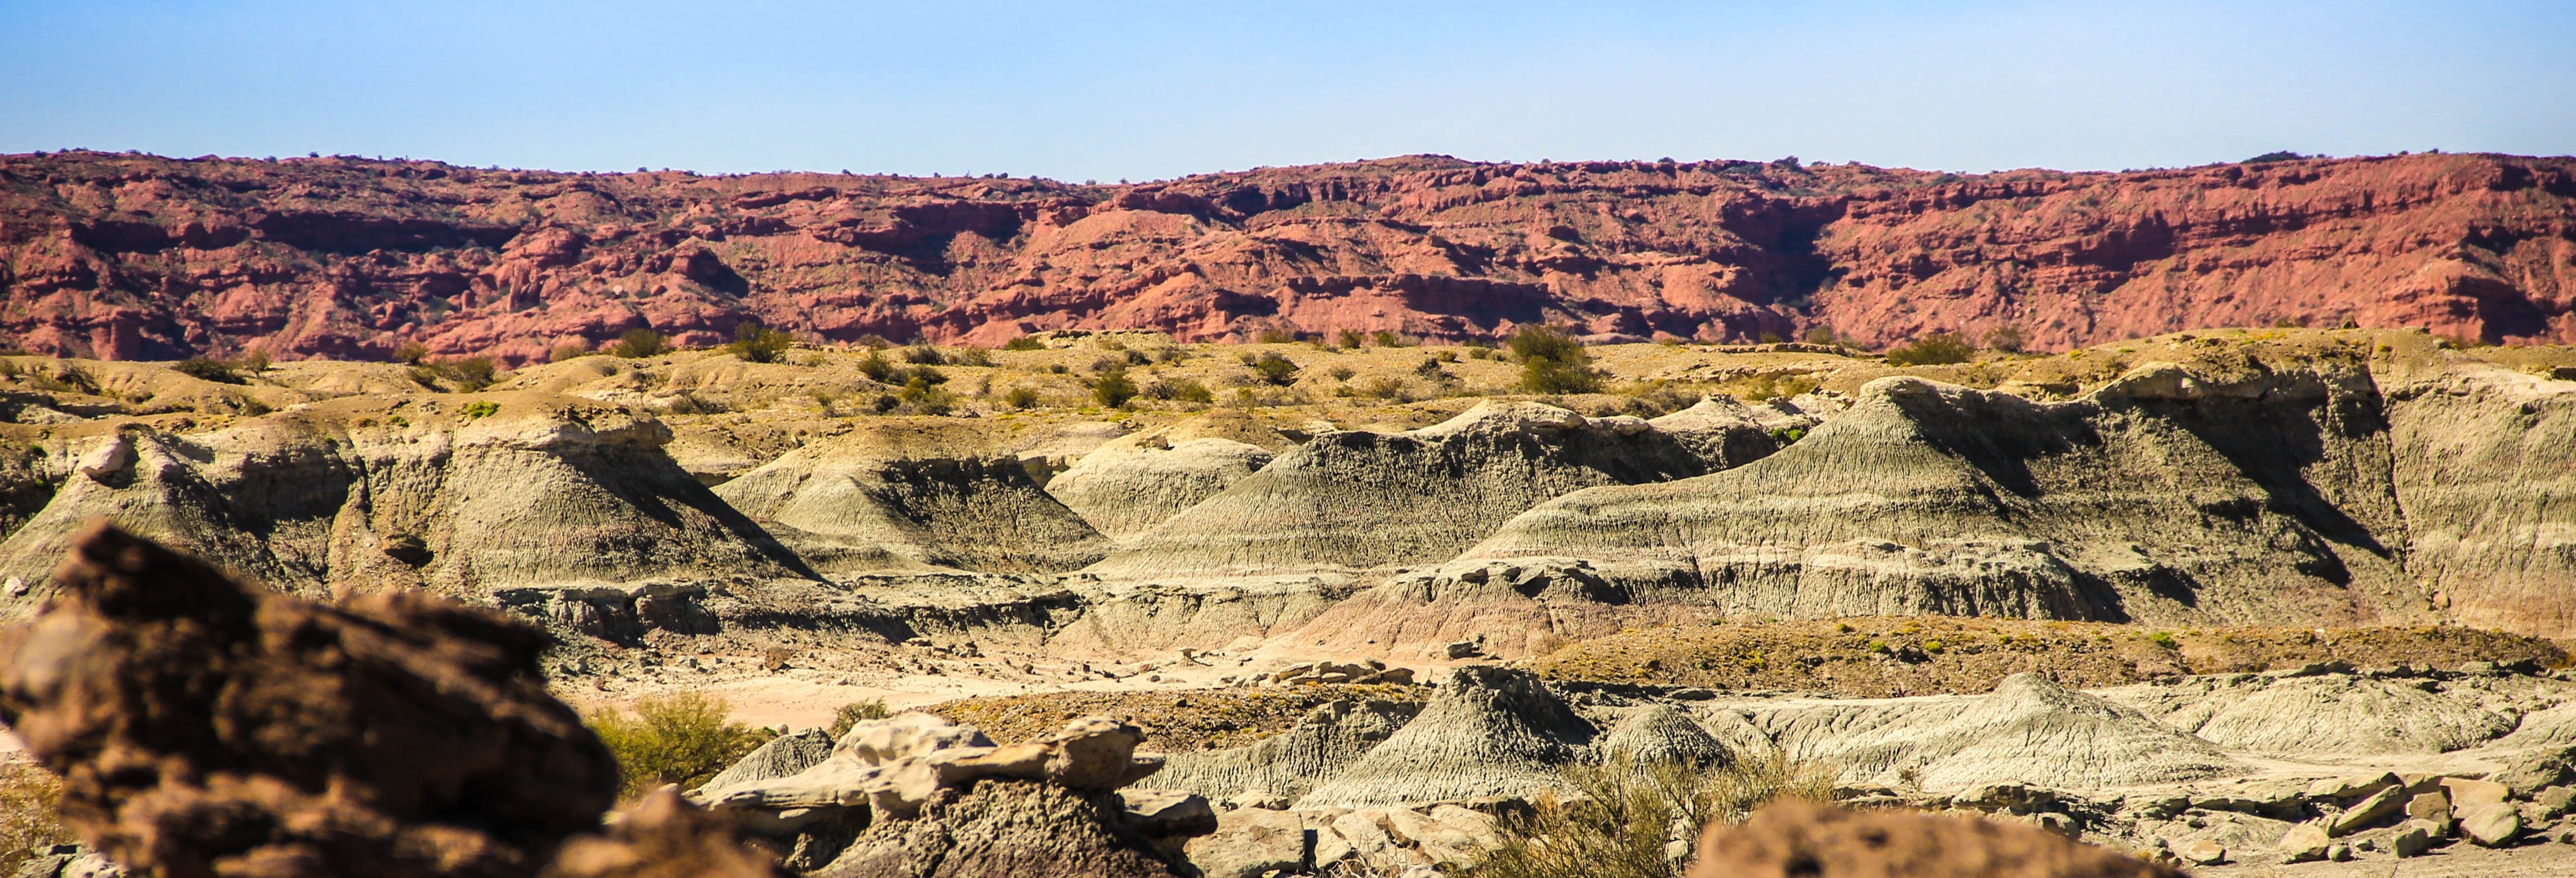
(1488,731)
(864,503)
(1128,486)
(2320,715)
(1285,766)
(542,493)
(2028,731)
(1659,733)
(1351,500)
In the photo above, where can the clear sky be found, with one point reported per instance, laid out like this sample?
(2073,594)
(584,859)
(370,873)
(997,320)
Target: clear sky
(1151,90)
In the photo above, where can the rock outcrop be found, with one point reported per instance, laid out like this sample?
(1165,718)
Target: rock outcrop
(1487,731)
(1128,486)
(915,795)
(126,257)
(2029,731)
(206,727)
(862,503)
(563,507)
(1351,500)
(1280,768)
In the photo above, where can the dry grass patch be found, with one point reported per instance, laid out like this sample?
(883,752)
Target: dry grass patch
(1882,657)
(1630,820)
(28,821)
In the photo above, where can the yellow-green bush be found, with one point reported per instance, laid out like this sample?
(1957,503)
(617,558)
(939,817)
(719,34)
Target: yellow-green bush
(674,739)
(1622,816)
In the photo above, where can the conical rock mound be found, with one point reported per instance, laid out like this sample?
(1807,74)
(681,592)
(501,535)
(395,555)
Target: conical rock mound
(869,503)
(2029,731)
(1130,485)
(1659,733)
(1318,749)
(2322,715)
(1488,732)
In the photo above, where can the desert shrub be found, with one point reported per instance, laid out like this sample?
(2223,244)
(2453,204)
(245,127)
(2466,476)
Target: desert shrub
(1350,338)
(1388,339)
(1341,373)
(1020,398)
(208,369)
(924,355)
(1024,343)
(638,343)
(924,395)
(2008,339)
(1385,388)
(674,739)
(482,408)
(1274,369)
(970,357)
(1936,349)
(876,368)
(468,374)
(571,350)
(29,797)
(1180,390)
(1553,362)
(754,343)
(1276,336)
(857,712)
(1624,814)
(411,352)
(1113,388)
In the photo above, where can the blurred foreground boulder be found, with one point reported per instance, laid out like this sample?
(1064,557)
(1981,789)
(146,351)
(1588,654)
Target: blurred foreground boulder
(204,727)
(1791,838)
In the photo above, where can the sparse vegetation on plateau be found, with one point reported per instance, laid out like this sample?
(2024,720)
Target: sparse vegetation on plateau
(754,343)
(1939,348)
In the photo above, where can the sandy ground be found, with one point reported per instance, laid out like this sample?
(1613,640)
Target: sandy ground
(2537,859)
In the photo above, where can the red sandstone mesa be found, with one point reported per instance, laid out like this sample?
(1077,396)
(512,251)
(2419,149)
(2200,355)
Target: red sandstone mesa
(133,257)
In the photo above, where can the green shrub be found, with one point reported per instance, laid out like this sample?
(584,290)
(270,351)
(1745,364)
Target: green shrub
(754,343)
(411,352)
(2163,639)
(1275,369)
(1024,343)
(1180,390)
(29,818)
(970,357)
(1387,339)
(1113,388)
(1553,362)
(675,739)
(1276,336)
(1939,348)
(571,350)
(876,368)
(1384,388)
(208,369)
(924,396)
(924,355)
(857,712)
(1020,398)
(1623,814)
(482,408)
(1351,338)
(639,343)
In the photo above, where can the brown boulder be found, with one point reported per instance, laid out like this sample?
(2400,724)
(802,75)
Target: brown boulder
(204,727)
(1796,838)
(1014,828)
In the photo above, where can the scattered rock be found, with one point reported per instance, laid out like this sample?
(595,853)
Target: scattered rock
(2490,824)
(2378,806)
(2339,852)
(2203,853)
(2304,842)
(2413,839)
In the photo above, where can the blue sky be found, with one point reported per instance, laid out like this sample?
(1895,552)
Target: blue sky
(1150,90)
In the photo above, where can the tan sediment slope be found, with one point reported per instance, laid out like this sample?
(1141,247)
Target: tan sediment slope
(464,496)
(890,499)
(1132,483)
(1354,500)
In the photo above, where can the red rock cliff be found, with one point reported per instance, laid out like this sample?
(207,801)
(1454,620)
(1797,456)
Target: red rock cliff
(142,257)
